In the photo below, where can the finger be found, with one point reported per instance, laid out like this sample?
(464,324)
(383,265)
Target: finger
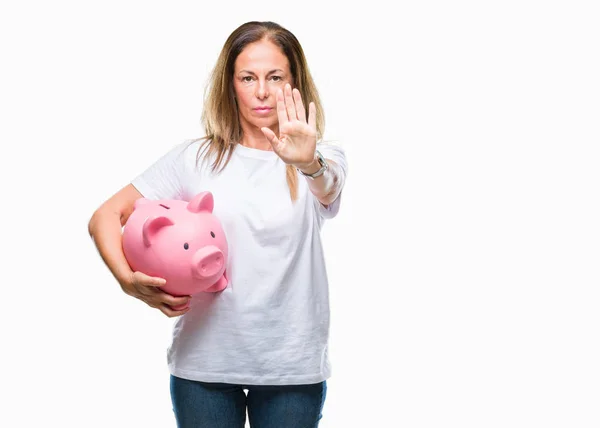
(147,291)
(299,106)
(173,301)
(179,307)
(270,135)
(312,116)
(149,281)
(281,111)
(171,312)
(290,106)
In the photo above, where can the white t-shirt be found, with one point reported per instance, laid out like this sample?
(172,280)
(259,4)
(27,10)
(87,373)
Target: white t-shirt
(270,326)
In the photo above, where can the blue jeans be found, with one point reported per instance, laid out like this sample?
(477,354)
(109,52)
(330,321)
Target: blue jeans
(222,405)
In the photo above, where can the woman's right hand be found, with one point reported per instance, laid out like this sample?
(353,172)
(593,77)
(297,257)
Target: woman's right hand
(146,288)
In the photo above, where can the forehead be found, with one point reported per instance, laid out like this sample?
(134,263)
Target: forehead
(261,55)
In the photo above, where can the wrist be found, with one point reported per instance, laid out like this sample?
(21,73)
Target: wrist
(316,168)
(125,279)
(311,167)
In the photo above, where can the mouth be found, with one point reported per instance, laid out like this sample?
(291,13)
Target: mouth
(262,109)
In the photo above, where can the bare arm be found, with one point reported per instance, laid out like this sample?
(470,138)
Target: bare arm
(105,230)
(297,143)
(328,185)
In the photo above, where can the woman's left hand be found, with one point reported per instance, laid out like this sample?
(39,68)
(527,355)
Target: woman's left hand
(297,140)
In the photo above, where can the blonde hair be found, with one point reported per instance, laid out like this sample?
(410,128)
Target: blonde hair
(220,114)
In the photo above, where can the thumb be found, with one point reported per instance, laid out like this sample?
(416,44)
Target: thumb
(152,281)
(270,135)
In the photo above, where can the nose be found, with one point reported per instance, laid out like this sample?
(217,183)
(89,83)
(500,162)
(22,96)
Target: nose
(207,262)
(262,91)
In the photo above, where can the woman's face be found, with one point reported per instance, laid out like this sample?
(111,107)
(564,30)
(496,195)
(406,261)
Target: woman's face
(259,71)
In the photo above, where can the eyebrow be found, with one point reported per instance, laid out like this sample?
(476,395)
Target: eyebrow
(250,72)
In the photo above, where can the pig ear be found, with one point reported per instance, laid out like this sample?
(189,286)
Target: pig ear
(202,202)
(153,225)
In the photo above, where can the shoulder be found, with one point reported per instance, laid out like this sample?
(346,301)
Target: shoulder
(187,152)
(190,146)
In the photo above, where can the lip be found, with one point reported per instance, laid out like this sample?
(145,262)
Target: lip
(263,108)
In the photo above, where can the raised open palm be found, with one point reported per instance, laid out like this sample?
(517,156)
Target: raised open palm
(297,139)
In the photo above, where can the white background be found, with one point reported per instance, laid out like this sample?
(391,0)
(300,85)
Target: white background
(463,264)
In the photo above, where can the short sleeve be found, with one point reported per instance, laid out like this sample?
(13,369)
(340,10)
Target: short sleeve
(164,178)
(336,154)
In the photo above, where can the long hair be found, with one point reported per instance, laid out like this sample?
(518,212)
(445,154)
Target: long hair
(220,116)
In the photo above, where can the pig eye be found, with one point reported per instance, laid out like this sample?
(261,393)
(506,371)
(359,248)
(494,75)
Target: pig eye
(186,246)
(212,234)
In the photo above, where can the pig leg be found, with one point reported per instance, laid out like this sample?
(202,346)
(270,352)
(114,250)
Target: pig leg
(219,285)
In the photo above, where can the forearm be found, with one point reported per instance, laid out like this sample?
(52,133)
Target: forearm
(328,185)
(105,230)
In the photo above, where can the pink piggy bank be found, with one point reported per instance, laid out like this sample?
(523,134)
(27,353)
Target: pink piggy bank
(182,242)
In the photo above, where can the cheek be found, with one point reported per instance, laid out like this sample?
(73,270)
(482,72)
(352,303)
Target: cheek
(243,96)
(275,86)
(279,85)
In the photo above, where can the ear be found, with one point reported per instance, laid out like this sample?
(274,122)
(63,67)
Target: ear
(153,225)
(201,202)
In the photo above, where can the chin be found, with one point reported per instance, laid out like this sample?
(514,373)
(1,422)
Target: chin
(261,123)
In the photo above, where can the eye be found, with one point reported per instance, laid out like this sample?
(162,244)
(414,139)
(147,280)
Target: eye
(186,246)
(212,234)
(276,78)
(247,79)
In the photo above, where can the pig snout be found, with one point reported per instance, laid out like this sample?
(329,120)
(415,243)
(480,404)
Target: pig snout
(207,262)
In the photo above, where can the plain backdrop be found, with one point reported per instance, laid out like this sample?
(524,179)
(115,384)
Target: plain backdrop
(463,265)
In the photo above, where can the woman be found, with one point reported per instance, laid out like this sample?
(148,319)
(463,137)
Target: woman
(273,187)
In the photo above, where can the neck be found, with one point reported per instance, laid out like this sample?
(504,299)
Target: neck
(255,139)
